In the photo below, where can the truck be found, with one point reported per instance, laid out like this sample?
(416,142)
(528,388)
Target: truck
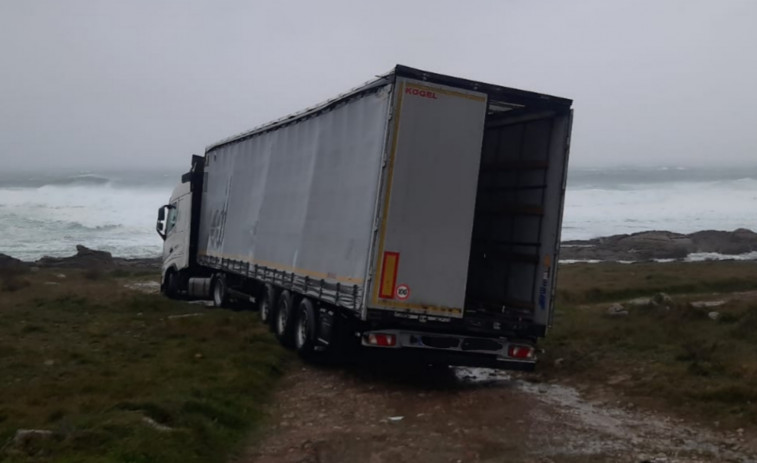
(416,216)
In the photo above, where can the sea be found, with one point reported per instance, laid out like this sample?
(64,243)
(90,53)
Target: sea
(611,201)
(49,213)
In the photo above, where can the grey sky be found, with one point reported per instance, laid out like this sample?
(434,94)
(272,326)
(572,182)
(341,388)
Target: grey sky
(145,83)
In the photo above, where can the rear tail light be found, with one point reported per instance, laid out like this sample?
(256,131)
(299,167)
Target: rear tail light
(380,339)
(520,352)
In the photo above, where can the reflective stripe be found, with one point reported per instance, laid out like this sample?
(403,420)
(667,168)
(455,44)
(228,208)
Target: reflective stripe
(389,274)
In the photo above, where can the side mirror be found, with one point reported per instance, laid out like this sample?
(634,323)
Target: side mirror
(160,227)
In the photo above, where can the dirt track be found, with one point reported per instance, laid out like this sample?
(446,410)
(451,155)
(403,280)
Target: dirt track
(348,414)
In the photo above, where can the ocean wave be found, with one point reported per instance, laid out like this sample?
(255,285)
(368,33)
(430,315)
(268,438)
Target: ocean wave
(682,207)
(693,257)
(59,181)
(705,256)
(53,219)
(116,210)
(82,179)
(593,261)
(79,226)
(117,179)
(21,221)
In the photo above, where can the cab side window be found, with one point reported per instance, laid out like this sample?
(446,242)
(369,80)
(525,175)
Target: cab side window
(173,218)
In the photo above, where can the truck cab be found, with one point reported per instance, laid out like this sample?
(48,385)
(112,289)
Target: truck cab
(173,226)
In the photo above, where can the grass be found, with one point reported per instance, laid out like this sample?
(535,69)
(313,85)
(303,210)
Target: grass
(120,376)
(12,279)
(677,357)
(609,281)
(117,377)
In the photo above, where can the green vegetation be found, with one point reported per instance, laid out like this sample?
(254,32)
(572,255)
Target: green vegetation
(674,354)
(12,279)
(609,281)
(122,376)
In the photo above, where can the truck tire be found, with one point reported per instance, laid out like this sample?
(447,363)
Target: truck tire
(267,304)
(305,329)
(220,296)
(284,318)
(171,284)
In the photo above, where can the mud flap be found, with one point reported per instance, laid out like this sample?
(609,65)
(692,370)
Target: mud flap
(325,326)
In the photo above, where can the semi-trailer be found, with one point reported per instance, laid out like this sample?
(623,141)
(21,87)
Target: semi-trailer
(418,214)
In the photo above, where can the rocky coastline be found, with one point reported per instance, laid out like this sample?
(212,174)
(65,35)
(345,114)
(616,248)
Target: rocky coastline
(661,245)
(84,258)
(636,247)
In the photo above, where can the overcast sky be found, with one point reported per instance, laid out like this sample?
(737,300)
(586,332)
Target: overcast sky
(146,83)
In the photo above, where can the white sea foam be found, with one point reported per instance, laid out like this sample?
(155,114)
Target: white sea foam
(702,256)
(693,257)
(580,261)
(49,214)
(52,219)
(592,211)
(593,261)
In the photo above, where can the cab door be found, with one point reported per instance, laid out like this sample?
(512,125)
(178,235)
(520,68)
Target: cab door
(176,244)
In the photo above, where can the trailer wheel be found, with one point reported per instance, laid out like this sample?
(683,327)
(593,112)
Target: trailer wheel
(284,319)
(267,302)
(220,298)
(304,330)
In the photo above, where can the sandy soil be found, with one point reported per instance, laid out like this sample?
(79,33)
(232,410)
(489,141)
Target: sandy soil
(375,414)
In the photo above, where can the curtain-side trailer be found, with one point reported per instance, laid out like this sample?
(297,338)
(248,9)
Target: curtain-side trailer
(418,214)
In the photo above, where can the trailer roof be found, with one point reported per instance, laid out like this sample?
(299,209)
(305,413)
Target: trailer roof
(497,93)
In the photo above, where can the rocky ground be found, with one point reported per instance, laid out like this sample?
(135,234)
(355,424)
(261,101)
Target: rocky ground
(652,245)
(379,414)
(84,258)
(375,414)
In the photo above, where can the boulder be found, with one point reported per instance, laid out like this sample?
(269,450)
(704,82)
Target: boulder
(739,241)
(656,245)
(706,304)
(24,437)
(84,258)
(635,247)
(662,299)
(617,310)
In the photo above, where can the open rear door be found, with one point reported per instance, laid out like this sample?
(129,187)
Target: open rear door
(518,217)
(428,196)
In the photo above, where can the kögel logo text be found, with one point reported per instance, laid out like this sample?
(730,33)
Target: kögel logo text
(420,93)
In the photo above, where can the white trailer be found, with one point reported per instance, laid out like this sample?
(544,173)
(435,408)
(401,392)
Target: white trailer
(418,213)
